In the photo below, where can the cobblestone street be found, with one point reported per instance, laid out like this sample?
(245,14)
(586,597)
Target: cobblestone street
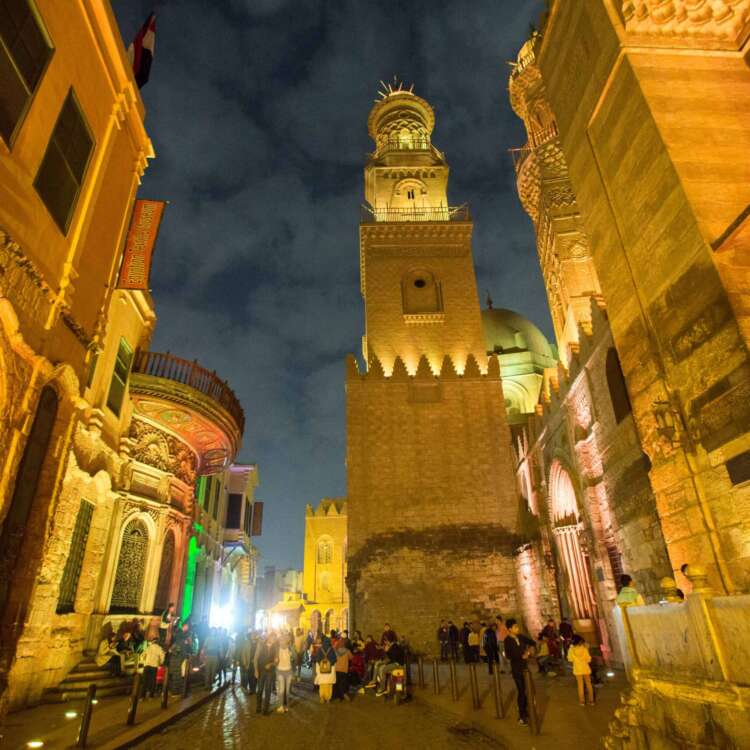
(366,723)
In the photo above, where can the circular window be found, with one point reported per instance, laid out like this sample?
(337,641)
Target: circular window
(420,283)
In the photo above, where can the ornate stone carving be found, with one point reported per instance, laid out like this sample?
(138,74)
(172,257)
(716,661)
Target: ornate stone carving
(155,448)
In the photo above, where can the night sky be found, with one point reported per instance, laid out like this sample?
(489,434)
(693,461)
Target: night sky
(258,114)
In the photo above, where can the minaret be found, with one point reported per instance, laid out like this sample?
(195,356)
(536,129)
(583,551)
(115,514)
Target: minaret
(431,490)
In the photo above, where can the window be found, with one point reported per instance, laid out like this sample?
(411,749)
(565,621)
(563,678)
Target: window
(739,468)
(234,511)
(325,551)
(617,390)
(120,376)
(131,566)
(247,526)
(25,50)
(62,170)
(410,194)
(216,481)
(74,563)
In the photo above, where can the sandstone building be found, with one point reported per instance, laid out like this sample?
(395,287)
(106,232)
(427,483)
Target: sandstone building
(103,440)
(432,509)
(638,458)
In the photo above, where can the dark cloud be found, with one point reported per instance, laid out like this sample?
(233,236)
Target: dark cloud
(258,111)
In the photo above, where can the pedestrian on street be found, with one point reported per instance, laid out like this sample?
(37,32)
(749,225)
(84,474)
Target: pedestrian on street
(491,648)
(566,635)
(151,658)
(266,659)
(300,647)
(165,624)
(453,638)
(502,634)
(246,654)
(473,642)
(580,658)
(628,595)
(518,648)
(343,656)
(211,654)
(464,637)
(325,669)
(287,659)
(443,637)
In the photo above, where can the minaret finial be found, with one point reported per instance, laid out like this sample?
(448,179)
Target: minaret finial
(489,301)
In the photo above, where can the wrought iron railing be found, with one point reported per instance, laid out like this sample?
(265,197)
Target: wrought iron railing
(401,143)
(415,213)
(519,156)
(166,365)
(543,135)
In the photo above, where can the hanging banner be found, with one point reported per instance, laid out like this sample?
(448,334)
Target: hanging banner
(139,245)
(257,519)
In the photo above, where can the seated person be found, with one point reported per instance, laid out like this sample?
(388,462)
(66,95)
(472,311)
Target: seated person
(394,658)
(108,655)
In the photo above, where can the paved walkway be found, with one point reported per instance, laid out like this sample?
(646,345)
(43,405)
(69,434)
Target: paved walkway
(565,725)
(108,729)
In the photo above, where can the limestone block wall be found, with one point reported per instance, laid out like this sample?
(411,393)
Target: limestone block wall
(431,498)
(537,589)
(653,139)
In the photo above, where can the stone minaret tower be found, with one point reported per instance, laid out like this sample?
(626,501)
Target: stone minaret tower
(432,502)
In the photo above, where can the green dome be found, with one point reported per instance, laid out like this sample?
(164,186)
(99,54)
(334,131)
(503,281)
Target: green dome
(506,331)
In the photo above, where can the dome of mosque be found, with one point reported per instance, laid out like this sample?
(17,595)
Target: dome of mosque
(506,331)
(400,111)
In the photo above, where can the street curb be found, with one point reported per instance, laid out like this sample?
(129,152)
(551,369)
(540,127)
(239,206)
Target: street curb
(156,725)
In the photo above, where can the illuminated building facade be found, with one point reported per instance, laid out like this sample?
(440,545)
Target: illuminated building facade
(431,504)
(102,439)
(638,459)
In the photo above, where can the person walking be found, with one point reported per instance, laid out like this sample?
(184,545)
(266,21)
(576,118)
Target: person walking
(464,638)
(300,647)
(518,648)
(151,658)
(286,661)
(628,595)
(580,658)
(343,657)
(266,659)
(325,672)
(246,654)
(211,653)
(443,637)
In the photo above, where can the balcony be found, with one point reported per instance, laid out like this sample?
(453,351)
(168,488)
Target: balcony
(400,143)
(192,403)
(415,213)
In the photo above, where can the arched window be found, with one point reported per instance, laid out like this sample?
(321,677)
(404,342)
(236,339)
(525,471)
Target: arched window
(27,482)
(325,551)
(421,293)
(131,566)
(164,586)
(617,389)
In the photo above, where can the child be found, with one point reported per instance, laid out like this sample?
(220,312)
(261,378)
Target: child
(579,656)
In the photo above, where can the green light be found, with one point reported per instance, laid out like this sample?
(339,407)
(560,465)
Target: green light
(187,592)
(198,527)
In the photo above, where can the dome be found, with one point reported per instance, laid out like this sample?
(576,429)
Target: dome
(506,331)
(398,111)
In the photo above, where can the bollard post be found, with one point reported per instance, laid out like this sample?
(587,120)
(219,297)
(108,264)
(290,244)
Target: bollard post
(83,729)
(188,675)
(474,684)
(498,691)
(134,695)
(165,688)
(454,679)
(435,677)
(531,699)
(420,670)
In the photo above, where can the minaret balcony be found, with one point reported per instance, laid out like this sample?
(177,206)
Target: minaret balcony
(415,213)
(190,402)
(403,143)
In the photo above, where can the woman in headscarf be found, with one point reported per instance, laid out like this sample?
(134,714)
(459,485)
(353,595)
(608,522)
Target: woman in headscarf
(325,669)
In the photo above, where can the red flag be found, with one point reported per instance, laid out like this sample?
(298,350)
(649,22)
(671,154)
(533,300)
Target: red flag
(141,51)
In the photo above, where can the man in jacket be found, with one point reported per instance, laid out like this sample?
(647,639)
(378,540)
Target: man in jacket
(151,658)
(518,648)
(453,640)
(395,657)
(443,638)
(266,659)
(490,647)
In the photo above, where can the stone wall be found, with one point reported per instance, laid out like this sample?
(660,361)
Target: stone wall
(431,499)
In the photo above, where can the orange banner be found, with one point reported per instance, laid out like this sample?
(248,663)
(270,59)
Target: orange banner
(139,245)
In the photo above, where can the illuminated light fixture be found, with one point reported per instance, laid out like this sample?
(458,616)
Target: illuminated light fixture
(94,701)
(221,617)
(610,674)
(71,714)
(35,743)
(196,669)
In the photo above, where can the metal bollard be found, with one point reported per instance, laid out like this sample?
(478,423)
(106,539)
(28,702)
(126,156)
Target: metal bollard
(435,677)
(165,688)
(498,691)
(134,695)
(531,699)
(420,671)
(474,684)
(454,679)
(188,675)
(83,729)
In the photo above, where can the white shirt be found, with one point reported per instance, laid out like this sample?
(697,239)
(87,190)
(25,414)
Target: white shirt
(285,660)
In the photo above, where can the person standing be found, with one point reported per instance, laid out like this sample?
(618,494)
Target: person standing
(473,641)
(341,687)
(211,653)
(151,658)
(284,672)
(464,637)
(325,672)
(628,595)
(491,648)
(580,657)
(165,625)
(517,651)
(389,635)
(443,640)
(300,647)
(502,634)
(266,659)
(566,635)
(453,638)
(245,654)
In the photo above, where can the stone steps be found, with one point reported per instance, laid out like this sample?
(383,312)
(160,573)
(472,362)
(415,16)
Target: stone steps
(76,683)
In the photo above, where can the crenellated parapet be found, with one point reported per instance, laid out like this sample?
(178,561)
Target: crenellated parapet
(424,372)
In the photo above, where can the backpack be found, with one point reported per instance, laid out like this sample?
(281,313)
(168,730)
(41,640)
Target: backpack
(324,666)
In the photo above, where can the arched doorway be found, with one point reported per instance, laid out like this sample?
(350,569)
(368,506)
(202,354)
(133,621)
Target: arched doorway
(25,489)
(163,588)
(315,622)
(327,622)
(566,530)
(131,567)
